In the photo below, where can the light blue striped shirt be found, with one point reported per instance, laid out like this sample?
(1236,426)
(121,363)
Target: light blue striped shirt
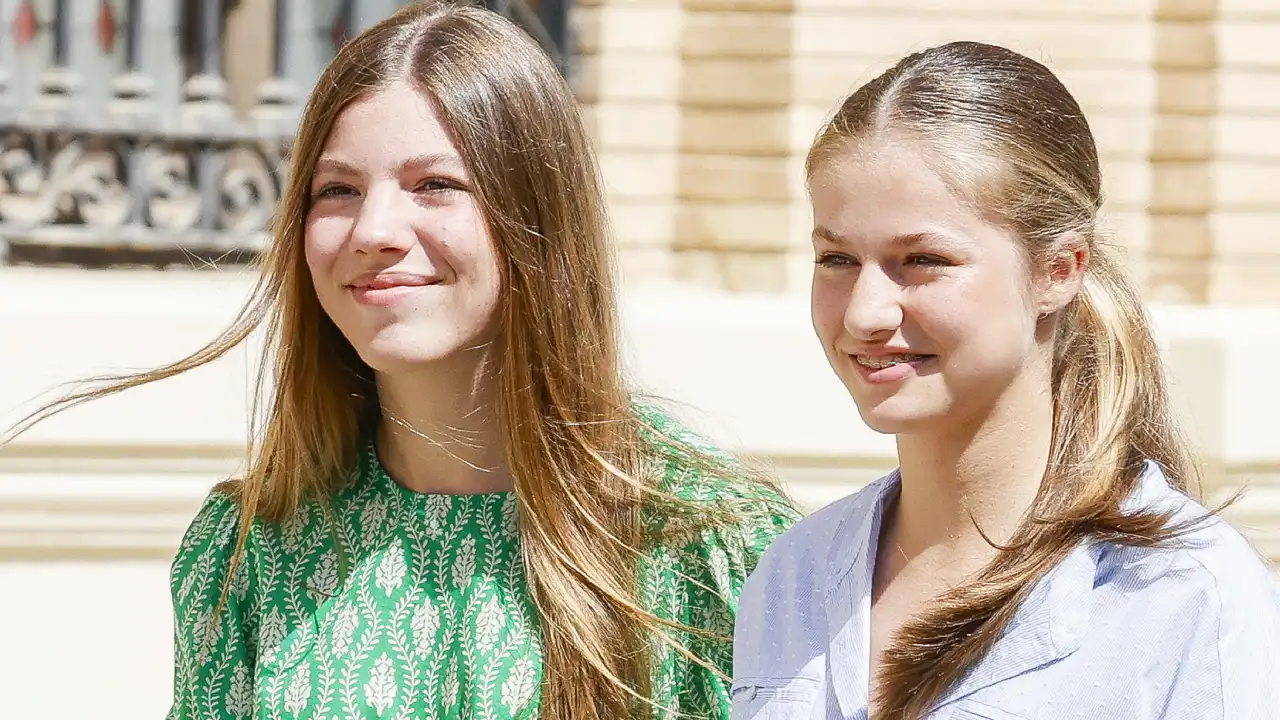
(1112,632)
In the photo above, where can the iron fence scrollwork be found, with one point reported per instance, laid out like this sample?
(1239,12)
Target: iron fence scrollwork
(118,139)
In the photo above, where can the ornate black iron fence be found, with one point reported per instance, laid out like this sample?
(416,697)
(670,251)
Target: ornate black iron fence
(118,142)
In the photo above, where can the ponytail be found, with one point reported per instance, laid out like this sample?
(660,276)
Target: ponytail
(1111,414)
(1111,411)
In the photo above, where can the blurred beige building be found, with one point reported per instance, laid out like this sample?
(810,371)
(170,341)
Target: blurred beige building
(702,110)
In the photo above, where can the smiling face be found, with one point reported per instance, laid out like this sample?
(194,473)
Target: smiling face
(923,306)
(398,250)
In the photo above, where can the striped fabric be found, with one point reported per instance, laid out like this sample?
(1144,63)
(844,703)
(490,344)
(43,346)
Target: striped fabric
(1191,632)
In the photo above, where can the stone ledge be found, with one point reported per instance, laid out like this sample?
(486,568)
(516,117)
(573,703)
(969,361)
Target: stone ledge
(99,502)
(68,511)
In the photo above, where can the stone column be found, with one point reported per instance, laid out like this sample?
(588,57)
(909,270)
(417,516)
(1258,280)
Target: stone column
(734,224)
(1245,214)
(1180,248)
(249,44)
(627,75)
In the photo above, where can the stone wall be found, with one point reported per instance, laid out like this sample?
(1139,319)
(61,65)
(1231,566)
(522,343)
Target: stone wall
(704,110)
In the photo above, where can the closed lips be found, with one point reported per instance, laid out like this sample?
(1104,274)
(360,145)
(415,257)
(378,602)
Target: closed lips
(384,282)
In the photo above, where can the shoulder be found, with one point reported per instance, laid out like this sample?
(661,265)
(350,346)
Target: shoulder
(1211,559)
(207,582)
(1209,597)
(1210,578)
(1234,598)
(210,557)
(1228,586)
(718,516)
(693,470)
(678,454)
(814,553)
(782,614)
(211,536)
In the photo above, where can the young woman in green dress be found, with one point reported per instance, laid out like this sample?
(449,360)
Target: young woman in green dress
(457,507)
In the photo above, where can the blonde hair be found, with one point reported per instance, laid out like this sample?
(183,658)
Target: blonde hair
(1006,134)
(582,457)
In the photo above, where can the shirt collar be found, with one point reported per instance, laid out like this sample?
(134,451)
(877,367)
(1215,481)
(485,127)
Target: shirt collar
(1050,624)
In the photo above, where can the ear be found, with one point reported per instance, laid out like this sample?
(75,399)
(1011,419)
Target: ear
(1062,276)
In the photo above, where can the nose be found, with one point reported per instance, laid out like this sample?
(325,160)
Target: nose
(875,305)
(385,221)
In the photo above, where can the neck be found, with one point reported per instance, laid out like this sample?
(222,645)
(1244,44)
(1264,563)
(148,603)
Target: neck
(439,429)
(976,478)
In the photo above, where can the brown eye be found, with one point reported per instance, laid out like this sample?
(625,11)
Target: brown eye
(333,190)
(438,185)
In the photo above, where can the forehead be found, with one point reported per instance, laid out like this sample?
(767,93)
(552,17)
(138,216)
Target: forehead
(386,125)
(883,189)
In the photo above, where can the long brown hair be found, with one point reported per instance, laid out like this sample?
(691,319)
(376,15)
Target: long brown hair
(1009,136)
(580,453)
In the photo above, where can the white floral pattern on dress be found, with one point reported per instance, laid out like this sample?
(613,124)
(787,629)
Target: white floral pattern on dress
(489,624)
(391,570)
(518,687)
(379,602)
(344,630)
(380,691)
(464,564)
(299,692)
(425,624)
(239,695)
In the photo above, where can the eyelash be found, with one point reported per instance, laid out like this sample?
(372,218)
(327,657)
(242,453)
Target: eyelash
(439,183)
(828,260)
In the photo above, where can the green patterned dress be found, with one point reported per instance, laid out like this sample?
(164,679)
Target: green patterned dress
(388,603)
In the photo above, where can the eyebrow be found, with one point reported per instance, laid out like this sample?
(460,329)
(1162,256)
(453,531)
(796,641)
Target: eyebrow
(337,166)
(904,240)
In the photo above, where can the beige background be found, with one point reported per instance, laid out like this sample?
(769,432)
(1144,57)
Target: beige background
(702,112)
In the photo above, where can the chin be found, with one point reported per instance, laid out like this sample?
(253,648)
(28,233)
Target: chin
(893,416)
(399,357)
(396,350)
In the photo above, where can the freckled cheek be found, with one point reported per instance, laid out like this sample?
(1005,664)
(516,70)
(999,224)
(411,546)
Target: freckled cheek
(473,254)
